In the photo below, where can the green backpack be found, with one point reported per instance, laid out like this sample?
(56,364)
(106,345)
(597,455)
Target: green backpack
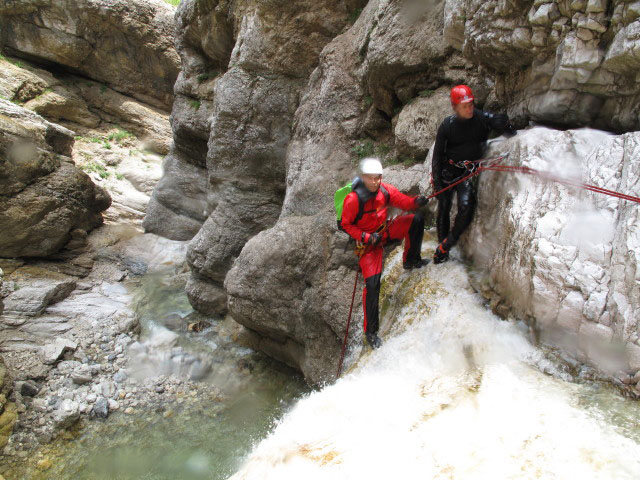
(342,192)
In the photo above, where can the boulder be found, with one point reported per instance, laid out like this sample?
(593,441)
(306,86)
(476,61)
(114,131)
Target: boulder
(52,352)
(36,288)
(563,256)
(417,125)
(43,196)
(128,46)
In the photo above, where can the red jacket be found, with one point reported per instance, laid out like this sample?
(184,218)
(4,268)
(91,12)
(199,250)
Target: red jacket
(375,211)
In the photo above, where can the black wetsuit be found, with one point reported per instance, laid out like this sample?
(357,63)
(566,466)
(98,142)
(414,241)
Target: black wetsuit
(458,140)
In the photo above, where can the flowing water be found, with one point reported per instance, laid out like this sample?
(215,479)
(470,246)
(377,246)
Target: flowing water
(454,393)
(188,438)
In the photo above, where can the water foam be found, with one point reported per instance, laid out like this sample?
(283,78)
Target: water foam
(453,393)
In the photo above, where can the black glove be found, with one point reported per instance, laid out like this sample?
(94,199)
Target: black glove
(421,201)
(374,239)
(509,131)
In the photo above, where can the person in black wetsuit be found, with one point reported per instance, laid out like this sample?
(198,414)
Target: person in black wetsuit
(460,137)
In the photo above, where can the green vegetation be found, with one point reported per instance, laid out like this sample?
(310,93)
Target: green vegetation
(103,141)
(405,161)
(175,3)
(426,93)
(368,101)
(363,149)
(119,176)
(367,148)
(203,77)
(17,63)
(383,149)
(195,104)
(103,88)
(120,135)
(353,16)
(96,167)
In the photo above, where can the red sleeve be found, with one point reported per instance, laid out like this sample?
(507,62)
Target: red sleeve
(399,199)
(349,212)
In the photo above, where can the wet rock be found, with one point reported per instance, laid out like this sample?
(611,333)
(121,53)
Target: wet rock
(199,369)
(120,377)
(52,352)
(38,288)
(563,256)
(101,408)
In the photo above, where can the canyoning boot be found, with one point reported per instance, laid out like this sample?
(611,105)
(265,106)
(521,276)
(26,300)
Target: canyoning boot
(417,264)
(441,254)
(373,340)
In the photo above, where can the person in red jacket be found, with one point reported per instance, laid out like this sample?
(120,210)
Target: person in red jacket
(364,218)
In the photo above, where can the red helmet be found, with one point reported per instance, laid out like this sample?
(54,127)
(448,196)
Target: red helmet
(461,94)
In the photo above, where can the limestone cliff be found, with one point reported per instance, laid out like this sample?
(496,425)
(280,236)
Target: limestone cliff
(43,196)
(251,179)
(125,45)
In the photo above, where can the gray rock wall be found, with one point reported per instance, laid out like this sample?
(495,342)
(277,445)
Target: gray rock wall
(43,196)
(126,45)
(380,87)
(563,62)
(245,65)
(563,258)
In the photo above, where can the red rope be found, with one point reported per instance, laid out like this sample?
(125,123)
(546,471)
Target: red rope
(554,178)
(492,165)
(346,334)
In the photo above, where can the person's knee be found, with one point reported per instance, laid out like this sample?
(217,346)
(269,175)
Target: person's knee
(418,220)
(372,283)
(467,200)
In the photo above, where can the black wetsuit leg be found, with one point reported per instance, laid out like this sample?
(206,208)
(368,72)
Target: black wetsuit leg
(445,199)
(416,232)
(466,208)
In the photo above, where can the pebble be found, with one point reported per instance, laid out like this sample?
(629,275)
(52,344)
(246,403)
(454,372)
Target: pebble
(120,377)
(128,410)
(101,408)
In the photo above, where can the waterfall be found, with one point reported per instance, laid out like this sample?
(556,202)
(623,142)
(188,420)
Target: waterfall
(455,392)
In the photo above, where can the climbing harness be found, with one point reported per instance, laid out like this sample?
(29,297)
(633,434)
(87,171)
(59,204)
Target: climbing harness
(492,164)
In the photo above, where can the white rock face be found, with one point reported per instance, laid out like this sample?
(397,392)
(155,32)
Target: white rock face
(564,256)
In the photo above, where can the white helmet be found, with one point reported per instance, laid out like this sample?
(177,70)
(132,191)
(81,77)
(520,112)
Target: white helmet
(371,166)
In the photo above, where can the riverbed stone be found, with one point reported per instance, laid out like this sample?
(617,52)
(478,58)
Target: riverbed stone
(66,414)
(101,408)
(52,352)
(82,374)
(28,388)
